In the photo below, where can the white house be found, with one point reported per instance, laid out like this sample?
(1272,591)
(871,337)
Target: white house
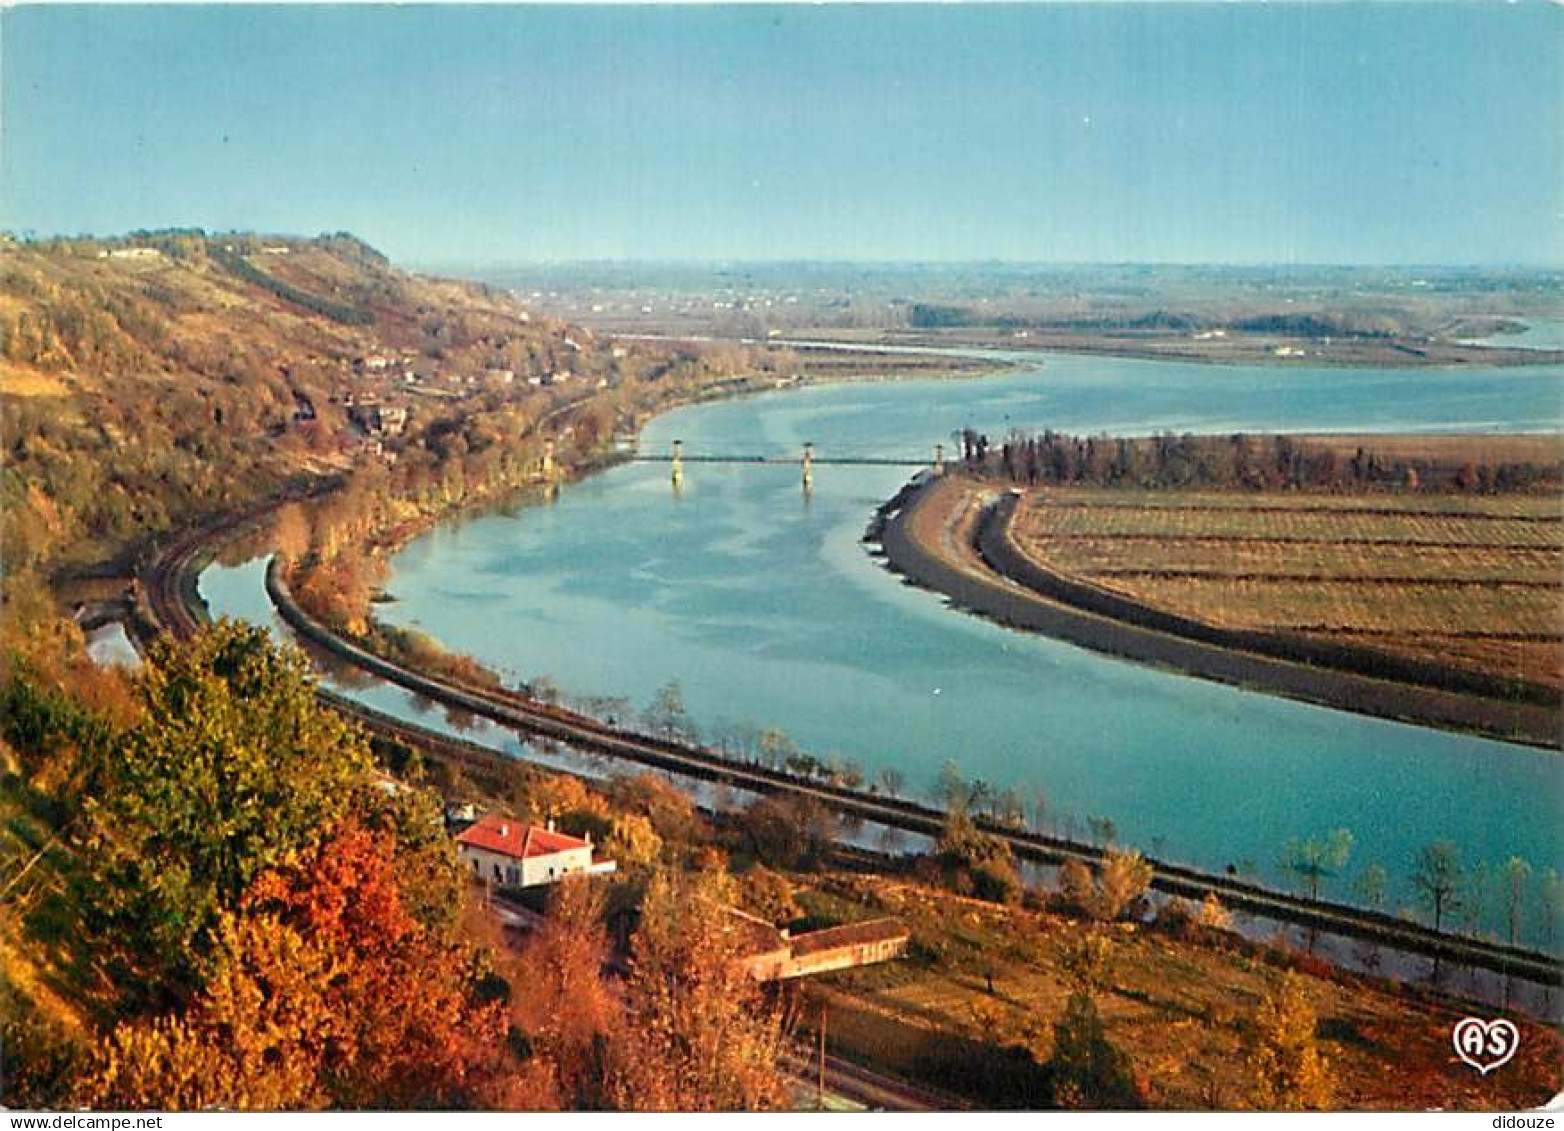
(510,853)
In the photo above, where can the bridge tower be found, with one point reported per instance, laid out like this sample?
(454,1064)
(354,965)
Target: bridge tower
(809,466)
(678,463)
(939,459)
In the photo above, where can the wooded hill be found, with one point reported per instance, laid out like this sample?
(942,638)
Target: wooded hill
(149,380)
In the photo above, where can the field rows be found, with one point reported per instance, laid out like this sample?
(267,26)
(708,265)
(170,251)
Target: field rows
(1344,605)
(1481,591)
(1532,507)
(1282,524)
(1225,558)
(1540,661)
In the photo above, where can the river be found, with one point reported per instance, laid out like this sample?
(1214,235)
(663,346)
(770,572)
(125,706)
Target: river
(767,609)
(1537,334)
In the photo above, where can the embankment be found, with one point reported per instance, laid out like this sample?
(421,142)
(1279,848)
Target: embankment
(585,733)
(1015,591)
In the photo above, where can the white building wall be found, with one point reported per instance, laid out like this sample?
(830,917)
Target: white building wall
(523,873)
(548,869)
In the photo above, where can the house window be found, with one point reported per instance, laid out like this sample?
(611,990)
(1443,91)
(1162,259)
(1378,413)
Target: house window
(512,876)
(475,869)
(498,878)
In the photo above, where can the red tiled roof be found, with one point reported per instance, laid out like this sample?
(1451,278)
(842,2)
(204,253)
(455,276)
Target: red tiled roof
(517,840)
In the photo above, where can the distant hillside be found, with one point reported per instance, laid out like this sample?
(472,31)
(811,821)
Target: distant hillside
(151,379)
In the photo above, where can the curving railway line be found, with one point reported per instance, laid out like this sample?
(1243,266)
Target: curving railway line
(173,605)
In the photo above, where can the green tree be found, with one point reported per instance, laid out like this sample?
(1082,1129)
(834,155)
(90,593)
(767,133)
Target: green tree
(1087,961)
(233,769)
(666,714)
(1474,899)
(1089,1072)
(1517,875)
(1550,898)
(1319,858)
(1371,886)
(1437,877)
(776,748)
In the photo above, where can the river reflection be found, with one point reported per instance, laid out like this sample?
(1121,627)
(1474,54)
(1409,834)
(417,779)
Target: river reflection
(766,608)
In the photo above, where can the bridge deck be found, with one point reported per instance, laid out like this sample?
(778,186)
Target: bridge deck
(818,461)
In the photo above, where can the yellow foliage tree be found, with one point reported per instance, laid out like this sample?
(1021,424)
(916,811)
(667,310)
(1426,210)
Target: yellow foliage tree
(253,1043)
(632,840)
(700,1036)
(1287,1070)
(1121,881)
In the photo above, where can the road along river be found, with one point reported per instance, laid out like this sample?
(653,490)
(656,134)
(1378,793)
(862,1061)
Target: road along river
(765,606)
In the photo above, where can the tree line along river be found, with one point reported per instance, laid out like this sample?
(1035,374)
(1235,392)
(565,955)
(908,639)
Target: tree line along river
(766,608)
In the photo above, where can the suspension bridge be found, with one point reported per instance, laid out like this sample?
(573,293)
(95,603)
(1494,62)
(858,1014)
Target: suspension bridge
(807,460)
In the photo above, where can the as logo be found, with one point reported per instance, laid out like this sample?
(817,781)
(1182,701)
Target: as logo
(1485,1045)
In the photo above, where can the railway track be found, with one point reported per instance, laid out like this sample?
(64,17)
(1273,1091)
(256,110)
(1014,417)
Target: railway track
(171,595)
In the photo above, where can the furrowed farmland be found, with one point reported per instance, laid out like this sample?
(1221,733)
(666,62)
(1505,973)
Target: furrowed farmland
(1473,581)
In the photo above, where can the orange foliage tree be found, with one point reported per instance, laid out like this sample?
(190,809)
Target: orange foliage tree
(325,991)
(701,1033)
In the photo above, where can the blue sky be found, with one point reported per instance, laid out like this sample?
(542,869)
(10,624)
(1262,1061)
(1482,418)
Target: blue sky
(1335,133)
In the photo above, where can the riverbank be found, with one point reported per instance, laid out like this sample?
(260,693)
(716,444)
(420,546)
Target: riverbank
(515,710)
(1275,350)
(952,535)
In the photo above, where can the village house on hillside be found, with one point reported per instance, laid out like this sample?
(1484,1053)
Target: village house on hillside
(510,853)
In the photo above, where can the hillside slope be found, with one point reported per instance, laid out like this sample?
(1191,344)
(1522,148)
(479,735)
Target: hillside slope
(150,380)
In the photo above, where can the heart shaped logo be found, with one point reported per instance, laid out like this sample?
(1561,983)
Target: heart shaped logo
(1485,1045)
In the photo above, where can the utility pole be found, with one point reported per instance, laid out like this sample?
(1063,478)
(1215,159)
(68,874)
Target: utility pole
(809,467)
(821,1098)
(678,464)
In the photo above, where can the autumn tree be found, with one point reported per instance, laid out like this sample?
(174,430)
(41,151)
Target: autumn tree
(1211,916)
(233,769)
(790,831)
(255,1041)
(632,840)
(1287,1071)
(560,1000)
(323,989)
(976,859)
(1087,962)
(700,1034)
(768,894)
(291,533)
(1122,881)
(1075,883)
